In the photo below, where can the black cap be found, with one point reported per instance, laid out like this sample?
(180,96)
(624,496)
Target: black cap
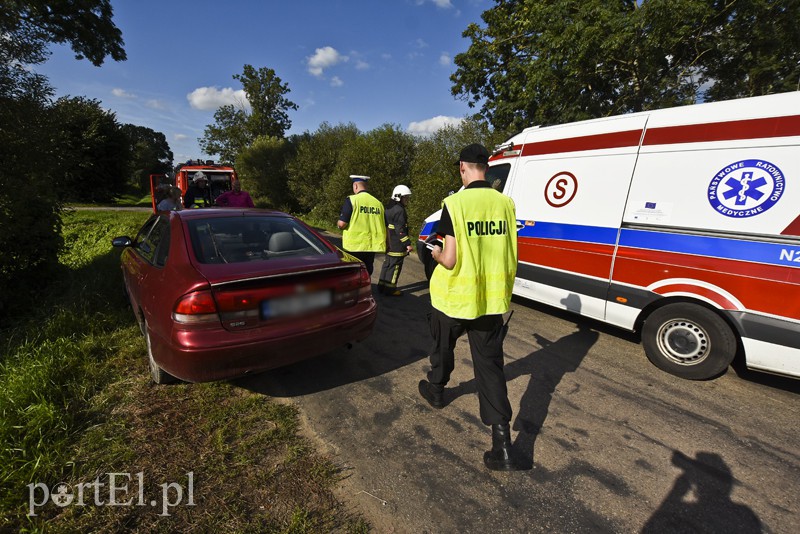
(474,153)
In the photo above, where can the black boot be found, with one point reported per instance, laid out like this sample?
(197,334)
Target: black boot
(501,457)
(432,394)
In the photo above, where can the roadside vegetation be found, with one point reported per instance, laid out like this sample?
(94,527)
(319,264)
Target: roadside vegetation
(77,404)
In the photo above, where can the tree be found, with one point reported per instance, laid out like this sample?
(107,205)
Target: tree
(554,61)
(29,143)
(262,168)
(315,160)
(385,154)
(237,127)
(757,51)
(433,172)
(29,26)
(93,151)
(84,24)
(149,154)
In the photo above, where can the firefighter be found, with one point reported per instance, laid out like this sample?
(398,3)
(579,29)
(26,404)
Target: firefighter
(363,222)
(398,244)
(198,195)
(470,290)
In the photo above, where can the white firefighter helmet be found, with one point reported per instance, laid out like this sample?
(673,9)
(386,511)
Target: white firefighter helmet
(199,176)
(400,191)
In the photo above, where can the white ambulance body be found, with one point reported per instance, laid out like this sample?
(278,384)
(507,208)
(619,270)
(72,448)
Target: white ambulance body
(681,223)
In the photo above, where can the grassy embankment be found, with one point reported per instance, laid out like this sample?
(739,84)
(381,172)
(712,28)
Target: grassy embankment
(77,404)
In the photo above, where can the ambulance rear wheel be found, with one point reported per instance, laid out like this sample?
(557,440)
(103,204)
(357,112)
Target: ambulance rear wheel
(689,341)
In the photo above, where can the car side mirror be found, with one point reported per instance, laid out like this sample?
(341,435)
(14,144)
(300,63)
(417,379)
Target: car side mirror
(122,241)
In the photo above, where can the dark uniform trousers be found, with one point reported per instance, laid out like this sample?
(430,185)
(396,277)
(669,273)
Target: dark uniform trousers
(390,272)
(485,336)
(367,257)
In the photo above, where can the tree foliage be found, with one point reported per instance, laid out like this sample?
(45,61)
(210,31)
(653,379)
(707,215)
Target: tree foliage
(262,169)
(85,25)
(316,158)
(93,151)
(434,173)
(554,61)
(149,154)
(236,127)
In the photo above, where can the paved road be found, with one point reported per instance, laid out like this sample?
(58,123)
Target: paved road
(616,445)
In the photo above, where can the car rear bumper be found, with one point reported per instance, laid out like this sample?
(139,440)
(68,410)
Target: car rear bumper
(217,354)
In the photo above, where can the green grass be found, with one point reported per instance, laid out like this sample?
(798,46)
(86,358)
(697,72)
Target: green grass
(77,404)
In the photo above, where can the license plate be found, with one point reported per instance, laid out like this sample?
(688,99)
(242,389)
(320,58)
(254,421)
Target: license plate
(295,304)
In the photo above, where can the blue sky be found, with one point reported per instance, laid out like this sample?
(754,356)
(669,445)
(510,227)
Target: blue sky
(366,62)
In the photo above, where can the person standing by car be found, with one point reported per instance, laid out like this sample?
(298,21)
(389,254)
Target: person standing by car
(470,292)
(363,222)
(398,243)
(235,198)
(198,195)
(171,203)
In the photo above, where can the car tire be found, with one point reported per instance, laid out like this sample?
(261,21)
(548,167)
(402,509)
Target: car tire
(688,341)
(157,374)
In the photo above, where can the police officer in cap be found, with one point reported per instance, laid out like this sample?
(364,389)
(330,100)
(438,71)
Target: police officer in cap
(470,290)
(363,223)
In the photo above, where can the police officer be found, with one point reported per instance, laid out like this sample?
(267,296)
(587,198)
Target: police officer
(470,290)
(399,244)
(363,223)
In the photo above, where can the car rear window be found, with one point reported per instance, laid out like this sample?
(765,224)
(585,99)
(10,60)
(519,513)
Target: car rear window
(251,238)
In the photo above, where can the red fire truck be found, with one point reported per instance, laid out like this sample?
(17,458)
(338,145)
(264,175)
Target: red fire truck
(220,179)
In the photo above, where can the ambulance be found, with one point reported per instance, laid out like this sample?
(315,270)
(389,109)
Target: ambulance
(682,224)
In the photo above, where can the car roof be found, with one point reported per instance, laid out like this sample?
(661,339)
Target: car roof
(205,213)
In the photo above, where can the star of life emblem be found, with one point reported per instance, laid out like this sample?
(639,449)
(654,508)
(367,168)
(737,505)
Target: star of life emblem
(746,188)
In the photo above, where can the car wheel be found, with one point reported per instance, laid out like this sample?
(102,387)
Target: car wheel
(689,341)
(158,375)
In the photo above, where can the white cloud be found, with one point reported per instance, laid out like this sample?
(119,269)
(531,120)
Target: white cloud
(430,126)
(156,104)
(386,57)
(324,58)
(443,4)
(420,43)
(444,59)
(336,82)
(181,137)
(362,65)
(122,93)
(211,98)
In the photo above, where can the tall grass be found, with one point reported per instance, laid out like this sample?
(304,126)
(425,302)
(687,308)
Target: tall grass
(60,354)
(77,404)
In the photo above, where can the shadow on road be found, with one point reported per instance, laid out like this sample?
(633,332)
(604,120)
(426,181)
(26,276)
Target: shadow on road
(394,343)
(700,500)
(545,368)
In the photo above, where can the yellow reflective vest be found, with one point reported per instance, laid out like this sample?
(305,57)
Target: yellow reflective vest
(366,231)
(480,283)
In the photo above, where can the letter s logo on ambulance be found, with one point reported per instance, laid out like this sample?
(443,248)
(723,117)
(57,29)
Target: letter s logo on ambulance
(746,188)
(561,189)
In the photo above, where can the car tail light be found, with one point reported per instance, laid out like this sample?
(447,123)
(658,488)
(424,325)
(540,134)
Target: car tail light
(365,291)
(196,307)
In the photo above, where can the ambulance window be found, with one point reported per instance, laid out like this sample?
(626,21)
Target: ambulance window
(497,175)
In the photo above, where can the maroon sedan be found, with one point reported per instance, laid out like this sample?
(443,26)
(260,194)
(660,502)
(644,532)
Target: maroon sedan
(220,293)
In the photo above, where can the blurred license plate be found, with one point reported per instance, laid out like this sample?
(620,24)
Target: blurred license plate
(295,304)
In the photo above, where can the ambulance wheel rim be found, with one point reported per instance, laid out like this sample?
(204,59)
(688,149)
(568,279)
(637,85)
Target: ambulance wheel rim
(683,342)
